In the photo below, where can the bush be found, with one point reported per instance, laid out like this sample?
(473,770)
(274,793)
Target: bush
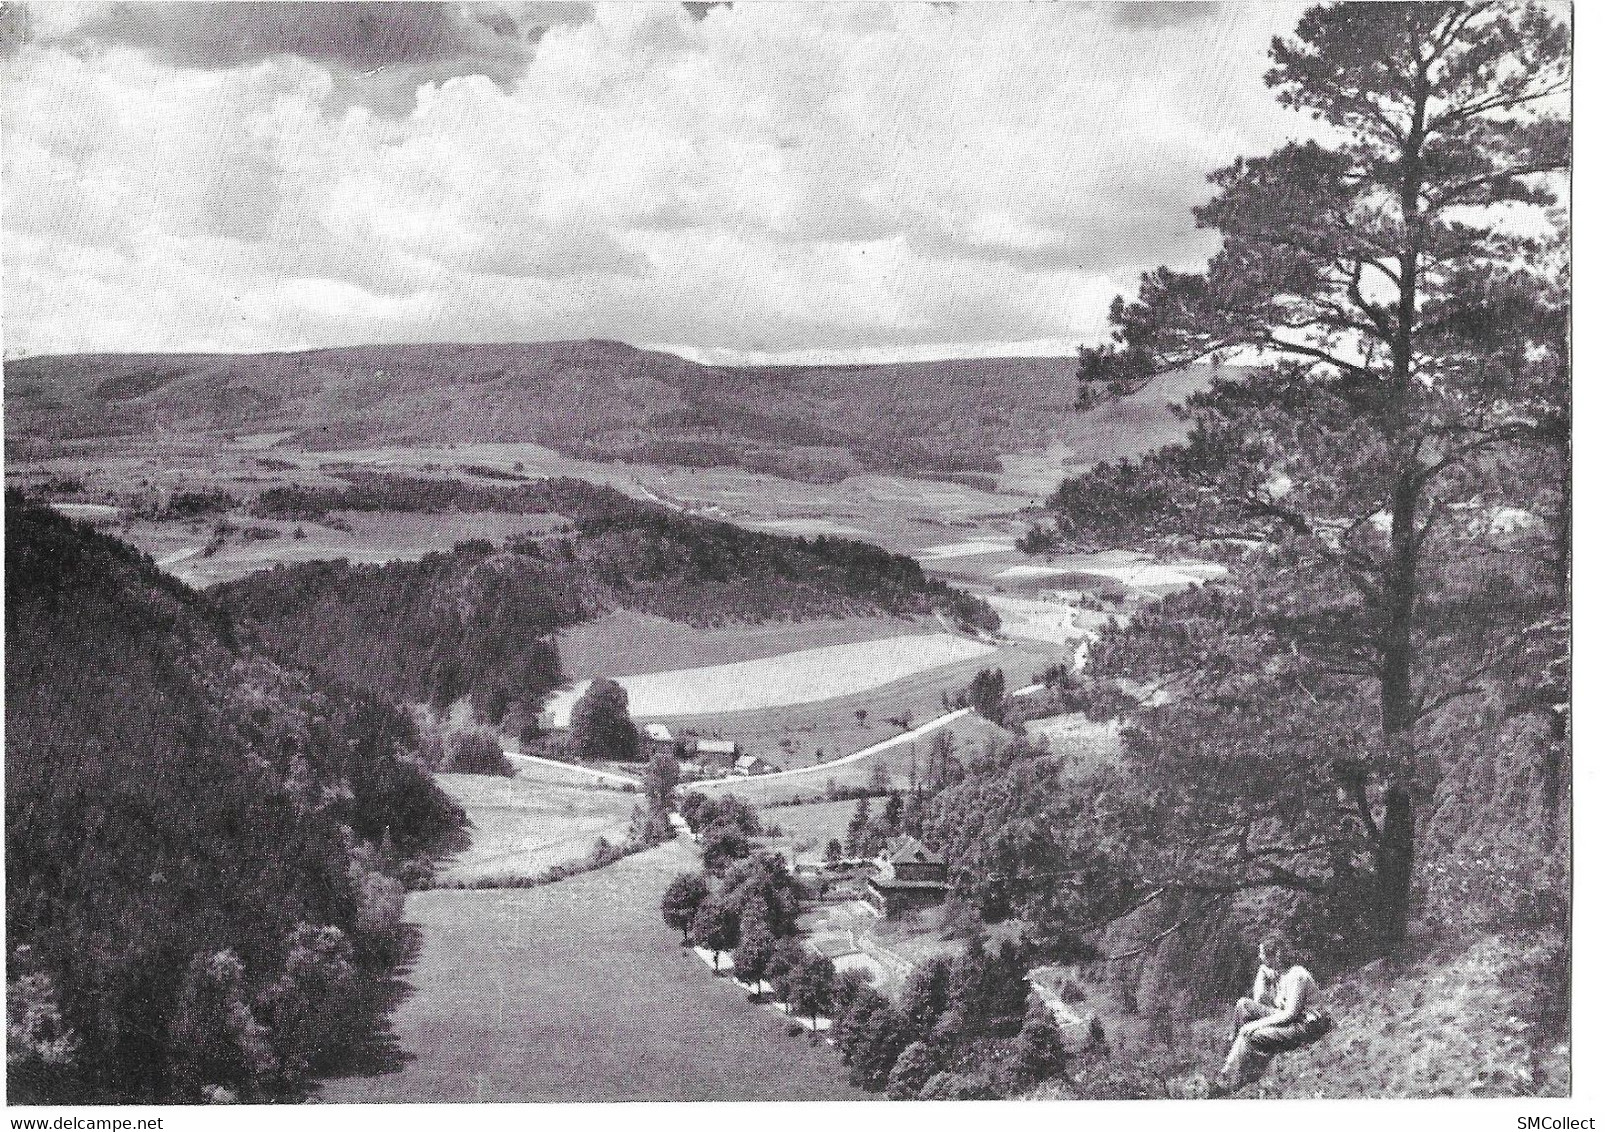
(310,1007)
(40,1047)
(915,1066)
(957,1087)
(216,1039)
(1037,1054)
(476,752)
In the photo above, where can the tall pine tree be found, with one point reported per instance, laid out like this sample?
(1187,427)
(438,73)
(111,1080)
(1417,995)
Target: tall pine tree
(1400,288)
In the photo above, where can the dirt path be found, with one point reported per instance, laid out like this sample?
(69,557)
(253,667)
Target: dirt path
(579,772)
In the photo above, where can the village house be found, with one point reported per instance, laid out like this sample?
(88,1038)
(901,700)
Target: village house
(755,764)
(656,738)
(907,875)
(714,755)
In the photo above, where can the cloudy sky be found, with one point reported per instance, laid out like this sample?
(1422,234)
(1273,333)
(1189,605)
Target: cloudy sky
(757,181)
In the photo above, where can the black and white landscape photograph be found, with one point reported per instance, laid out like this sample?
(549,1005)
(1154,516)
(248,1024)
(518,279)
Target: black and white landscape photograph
(737,552)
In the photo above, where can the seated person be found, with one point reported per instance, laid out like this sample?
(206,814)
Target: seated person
(1281,1016)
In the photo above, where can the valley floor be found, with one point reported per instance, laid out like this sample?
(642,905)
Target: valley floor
(576,991)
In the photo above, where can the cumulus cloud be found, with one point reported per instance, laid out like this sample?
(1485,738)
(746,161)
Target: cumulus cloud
(789,180)
(378,53)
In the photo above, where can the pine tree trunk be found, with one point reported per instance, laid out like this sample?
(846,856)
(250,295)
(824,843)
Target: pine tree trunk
(1395,862)
(1395,849)
(1395,846)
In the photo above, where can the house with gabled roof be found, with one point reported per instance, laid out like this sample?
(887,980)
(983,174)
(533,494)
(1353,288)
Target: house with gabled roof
(656,738)
(908,875)
(714,755)
(755,764)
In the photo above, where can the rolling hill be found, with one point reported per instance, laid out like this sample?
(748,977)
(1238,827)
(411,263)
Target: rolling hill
(590,399)
(477,620)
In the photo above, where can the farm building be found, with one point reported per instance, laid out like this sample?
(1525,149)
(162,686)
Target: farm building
(714,754)
(907,875)
(755,764)
(657,738)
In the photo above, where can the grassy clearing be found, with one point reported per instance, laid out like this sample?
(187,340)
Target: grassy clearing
(577,992)
(627,643)
(528,823)
(807,676)
(809,828)
(1085,744)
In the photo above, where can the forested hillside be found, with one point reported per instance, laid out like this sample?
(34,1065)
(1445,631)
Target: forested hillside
(477,620)
(202,846)
(591,399)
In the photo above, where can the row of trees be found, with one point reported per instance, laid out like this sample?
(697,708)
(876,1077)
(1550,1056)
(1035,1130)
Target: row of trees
(962,1027)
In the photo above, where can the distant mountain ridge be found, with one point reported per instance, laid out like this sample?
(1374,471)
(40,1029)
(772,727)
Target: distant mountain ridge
(592,399)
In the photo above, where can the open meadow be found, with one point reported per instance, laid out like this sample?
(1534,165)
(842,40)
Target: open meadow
(971,735)
(808,829)
(577,991)
(525,824)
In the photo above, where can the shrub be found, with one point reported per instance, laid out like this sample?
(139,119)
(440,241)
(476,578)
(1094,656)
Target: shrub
(957,1087)
(1037,1053)
(310,1007)
(915,1066)
(476,752)
(216,1039)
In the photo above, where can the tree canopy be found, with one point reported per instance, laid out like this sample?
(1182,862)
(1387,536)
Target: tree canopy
(600,726)
(1389,483)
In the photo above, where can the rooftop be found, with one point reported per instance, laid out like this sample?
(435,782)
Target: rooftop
(910,851)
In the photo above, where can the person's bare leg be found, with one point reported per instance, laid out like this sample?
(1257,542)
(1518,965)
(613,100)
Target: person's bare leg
(1244,1065)
(1231,1074)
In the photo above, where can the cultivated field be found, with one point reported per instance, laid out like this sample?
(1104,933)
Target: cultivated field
(808,676)
(626,643)
(577,991)
(903,515)
(523,825)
